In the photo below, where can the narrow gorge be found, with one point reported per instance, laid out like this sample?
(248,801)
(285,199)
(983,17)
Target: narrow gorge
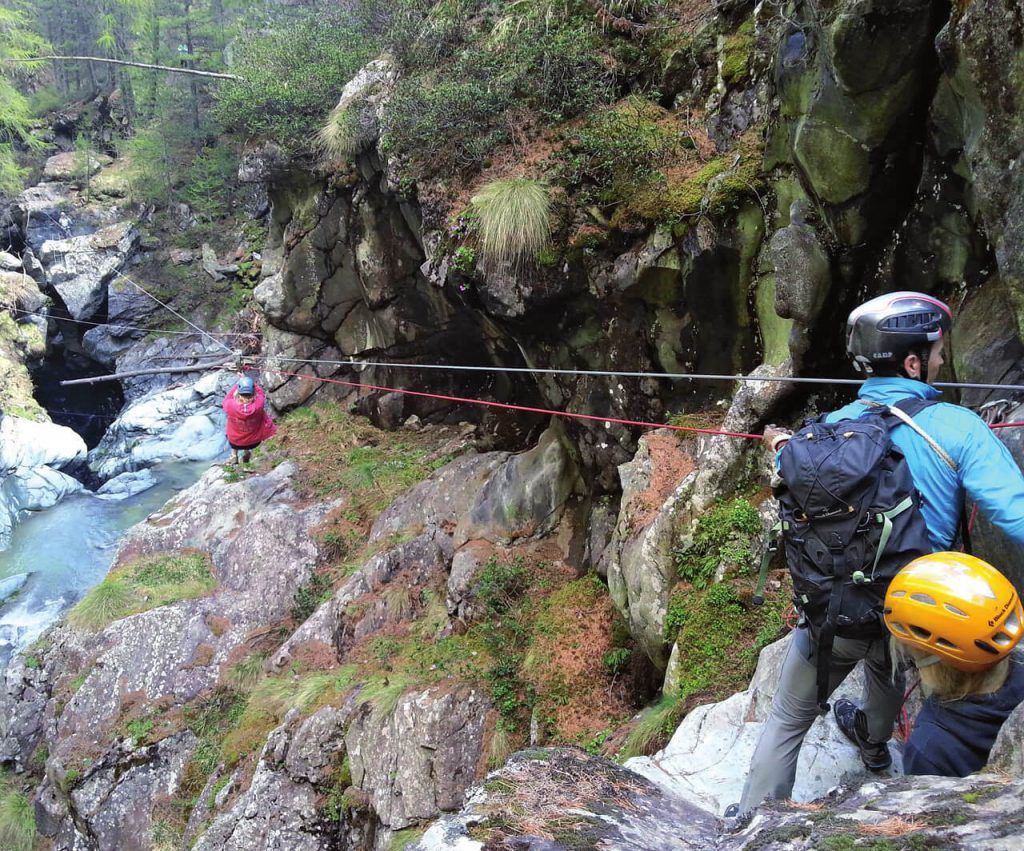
(490,585)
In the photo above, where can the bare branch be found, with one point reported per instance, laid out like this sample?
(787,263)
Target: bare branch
(168,68)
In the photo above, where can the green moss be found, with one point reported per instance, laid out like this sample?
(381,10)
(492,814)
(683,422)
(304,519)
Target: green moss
(774,329)
(404,838)
(736,52)
(144,584)
(723,534)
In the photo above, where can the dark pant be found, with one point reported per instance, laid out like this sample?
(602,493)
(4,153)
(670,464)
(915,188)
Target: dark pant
(794,708)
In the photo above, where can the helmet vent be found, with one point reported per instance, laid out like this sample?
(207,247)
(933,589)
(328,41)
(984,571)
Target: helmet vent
(923,598)
(927,321)
(988,648)
(898,593)
(951,608)
(898,627)
(923,634)
(1012,623)
(1003,640)
(949,645)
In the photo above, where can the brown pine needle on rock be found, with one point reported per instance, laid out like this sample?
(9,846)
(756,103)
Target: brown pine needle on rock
(895,826)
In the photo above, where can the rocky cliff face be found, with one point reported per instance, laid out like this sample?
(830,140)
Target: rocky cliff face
(885,158)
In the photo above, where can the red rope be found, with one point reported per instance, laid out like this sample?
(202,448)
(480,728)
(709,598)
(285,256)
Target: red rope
(1007,425)
(904,726)
(510,407)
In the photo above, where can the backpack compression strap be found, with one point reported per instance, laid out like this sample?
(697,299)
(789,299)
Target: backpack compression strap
(905,410)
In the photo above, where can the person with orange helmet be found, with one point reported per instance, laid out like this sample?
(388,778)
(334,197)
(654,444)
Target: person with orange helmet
(958,619)
(898,341)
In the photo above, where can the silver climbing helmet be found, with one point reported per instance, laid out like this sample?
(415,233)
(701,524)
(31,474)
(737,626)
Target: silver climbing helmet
(886,329)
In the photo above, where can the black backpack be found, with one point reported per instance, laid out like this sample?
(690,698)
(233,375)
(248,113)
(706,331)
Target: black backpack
(849,520)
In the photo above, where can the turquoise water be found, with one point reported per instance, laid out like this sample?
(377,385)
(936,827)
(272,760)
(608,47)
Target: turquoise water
(67,549)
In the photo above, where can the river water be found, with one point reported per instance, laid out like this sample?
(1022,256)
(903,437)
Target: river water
(67,549)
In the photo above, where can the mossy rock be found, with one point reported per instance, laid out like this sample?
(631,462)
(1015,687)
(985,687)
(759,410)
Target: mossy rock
(870,51)
(735,55)
(836,164)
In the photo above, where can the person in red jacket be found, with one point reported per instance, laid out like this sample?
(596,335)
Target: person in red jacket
(248,422)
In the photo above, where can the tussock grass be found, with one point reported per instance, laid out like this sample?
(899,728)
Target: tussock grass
(500,747)
(515,223)
(144,584)
(17,818)
(343,135)
(109,601)
(384,693)
(654,728)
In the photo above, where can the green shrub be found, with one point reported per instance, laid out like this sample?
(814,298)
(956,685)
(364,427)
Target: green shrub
(292,76)
(610,157)
(560,71)
(515,221)
(452,125)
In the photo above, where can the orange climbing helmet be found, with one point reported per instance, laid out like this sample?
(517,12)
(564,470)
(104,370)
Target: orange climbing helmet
(956,607)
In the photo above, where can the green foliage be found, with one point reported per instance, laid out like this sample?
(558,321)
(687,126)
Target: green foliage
(146,583)
(452,125)
(464,260)
(17,41)
(514,221)
(723,534)
(675,618)
(17,817)
(44,101)
(138,729)
(308,597)
(535,58)
(292,76)
(620,149)
(502,584)
(402,839)
(211,180)
(615,660)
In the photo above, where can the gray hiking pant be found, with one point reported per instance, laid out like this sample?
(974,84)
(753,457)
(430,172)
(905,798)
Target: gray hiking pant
(794,708)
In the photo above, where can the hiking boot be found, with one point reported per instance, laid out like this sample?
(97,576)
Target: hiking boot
(246,456)
(854,724)
(232,460)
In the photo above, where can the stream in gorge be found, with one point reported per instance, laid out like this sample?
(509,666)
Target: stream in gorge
(67,549)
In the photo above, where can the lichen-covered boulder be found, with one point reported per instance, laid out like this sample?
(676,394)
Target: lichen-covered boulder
(551,799)
(79,267)
(417,760)
(707,761)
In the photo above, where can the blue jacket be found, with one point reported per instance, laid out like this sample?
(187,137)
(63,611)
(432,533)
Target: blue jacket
(988,473)
(953,739)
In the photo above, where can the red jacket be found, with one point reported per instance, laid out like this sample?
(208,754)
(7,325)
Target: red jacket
(248,423)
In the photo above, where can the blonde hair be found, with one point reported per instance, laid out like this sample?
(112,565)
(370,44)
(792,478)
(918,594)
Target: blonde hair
(944,682)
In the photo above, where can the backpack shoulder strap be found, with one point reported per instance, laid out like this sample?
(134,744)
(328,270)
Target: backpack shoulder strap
(905,410)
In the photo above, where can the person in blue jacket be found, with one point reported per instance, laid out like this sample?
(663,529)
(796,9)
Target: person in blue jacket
(898,341)
(958,620)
